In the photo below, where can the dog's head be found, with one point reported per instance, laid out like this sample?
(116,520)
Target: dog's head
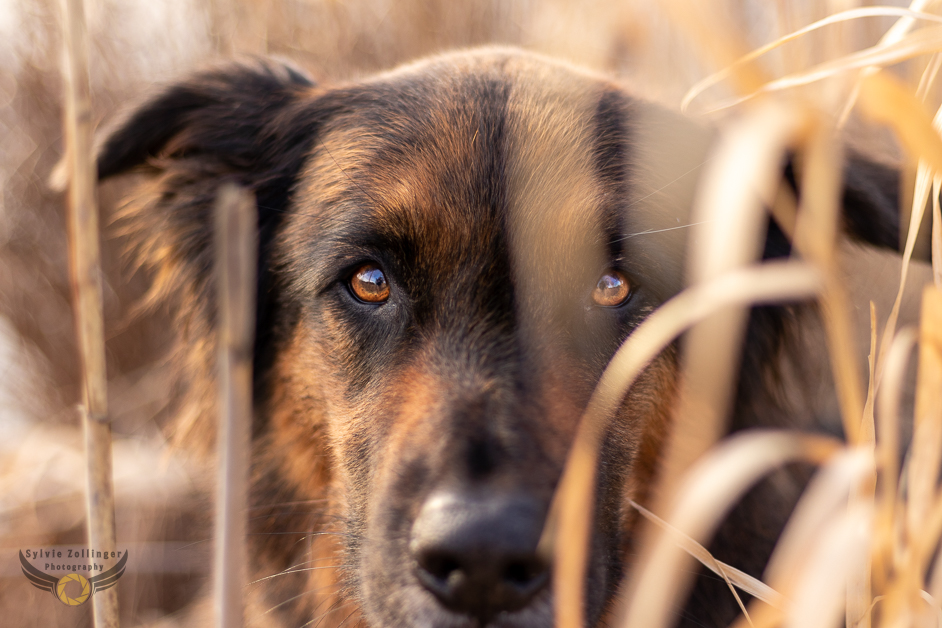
(450,255)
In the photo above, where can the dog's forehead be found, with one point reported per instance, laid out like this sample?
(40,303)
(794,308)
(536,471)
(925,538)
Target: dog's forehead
(463,147)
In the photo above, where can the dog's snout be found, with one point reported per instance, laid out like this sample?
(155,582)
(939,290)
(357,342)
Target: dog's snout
(477,554)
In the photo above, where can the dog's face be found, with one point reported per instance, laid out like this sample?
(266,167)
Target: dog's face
(456,262)
(448,262)
(450,255)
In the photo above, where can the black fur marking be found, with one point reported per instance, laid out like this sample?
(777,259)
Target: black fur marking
(611,149)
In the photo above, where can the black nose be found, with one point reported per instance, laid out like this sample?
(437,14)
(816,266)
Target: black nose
(477,554)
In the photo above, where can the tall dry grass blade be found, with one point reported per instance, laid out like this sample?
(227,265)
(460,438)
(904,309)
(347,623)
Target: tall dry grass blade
(790,17)
(925,545)
(885,100)
(868,428)
(936,607)
(709,490)
(923,41)
(913,132)
(890,103)
(935,587)
(730,227)
(733,576)
(922,520)
(920,196)
(936,232)
(771,282)
(893,35)
(236,253)
(825,495)
(909,15)
(888,530)
(784,209)
(929,75)
(100,507)
(817,597)
(824,499)
(859,594)
(816,239)
(722,43)
(86,289)
(740,179)
(926,456)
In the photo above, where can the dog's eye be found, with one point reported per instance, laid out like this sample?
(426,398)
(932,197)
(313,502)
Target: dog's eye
(369,284)
(612,289)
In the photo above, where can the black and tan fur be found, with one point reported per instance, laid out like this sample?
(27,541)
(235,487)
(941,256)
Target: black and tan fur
(493,188)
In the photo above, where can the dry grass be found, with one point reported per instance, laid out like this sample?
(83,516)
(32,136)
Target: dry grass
(85,266)
(236,251)
(862,539)
(859,546)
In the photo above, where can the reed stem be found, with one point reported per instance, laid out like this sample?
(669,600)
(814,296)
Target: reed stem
(86,290)
(236,248)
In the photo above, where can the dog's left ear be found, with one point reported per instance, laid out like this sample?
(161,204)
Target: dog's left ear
(236,120)
(869,206)
(251,123)
(871,203)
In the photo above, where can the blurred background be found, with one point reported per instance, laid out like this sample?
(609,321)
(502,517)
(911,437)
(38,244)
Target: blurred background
(136,44)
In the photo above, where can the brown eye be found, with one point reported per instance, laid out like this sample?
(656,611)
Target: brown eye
(369,284)
(612,289)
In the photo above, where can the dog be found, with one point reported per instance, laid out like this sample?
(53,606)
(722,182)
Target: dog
(449,255)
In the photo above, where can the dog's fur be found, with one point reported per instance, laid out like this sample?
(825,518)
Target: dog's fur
(493,188)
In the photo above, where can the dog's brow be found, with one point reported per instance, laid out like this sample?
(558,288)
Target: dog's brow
(346,174)
(331,259)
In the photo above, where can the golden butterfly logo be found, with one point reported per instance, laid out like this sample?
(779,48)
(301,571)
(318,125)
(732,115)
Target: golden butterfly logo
(89,586)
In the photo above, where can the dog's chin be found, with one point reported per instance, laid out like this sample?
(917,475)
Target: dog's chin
(413,606)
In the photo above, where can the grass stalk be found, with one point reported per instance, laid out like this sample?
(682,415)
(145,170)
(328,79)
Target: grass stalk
(570,514)
(86,288)
(236,246)
(927,430)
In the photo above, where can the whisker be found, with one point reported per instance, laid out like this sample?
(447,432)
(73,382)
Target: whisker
(285,512)
(671,182)
(291,571)
(311,535)
(304,532)
(301,564)
(333,610)
(352,613)
(333,607)
(321,603)
(183,547)
(631,235)
(308,592)
(294,503)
